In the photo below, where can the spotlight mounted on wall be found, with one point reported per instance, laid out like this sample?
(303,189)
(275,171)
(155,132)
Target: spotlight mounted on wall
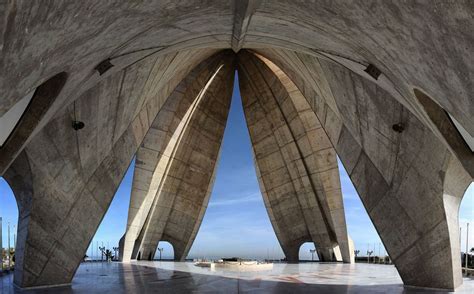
(373,71)
(104,66)
(398,127)
(77,125)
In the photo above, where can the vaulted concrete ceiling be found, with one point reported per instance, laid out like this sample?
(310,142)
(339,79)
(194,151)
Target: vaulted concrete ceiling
(380,79)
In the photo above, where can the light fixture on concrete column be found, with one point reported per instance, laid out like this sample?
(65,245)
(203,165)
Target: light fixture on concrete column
(104,66)
(398,127)
(373,71)
(312,253)
(76,125)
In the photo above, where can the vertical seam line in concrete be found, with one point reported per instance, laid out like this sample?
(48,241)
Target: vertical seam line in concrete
(122,80)
(191,118)
(144,230)
(330,230)
(281,237)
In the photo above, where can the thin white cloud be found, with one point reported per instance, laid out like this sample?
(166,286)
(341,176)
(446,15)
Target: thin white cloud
(244,199)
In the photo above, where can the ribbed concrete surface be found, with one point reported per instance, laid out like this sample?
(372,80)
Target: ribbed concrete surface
(411,183)
(297,165)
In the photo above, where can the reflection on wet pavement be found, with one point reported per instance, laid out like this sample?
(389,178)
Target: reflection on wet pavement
(184,277)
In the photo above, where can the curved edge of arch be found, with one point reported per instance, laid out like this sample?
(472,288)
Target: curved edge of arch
(185,164)
(295,160)
(42,99)
(451,134)
(403,197)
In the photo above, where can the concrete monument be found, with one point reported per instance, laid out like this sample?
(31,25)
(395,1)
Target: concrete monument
(88,85)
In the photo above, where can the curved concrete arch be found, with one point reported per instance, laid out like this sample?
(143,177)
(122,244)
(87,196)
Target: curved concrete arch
(449,132)
(169,134)
(399,176)
(391,36)
(153,45)
(295,160)
(75,88)
(20,178)
(187,177)
(455,184)
(78,172)
(38,106)
(170,244)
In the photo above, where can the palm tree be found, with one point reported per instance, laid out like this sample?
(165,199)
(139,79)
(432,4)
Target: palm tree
(356,252)
(108,255)
(369,253)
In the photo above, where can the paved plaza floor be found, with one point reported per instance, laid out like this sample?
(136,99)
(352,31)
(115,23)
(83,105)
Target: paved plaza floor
(184,277)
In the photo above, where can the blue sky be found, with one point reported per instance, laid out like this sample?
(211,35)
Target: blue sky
(236,222)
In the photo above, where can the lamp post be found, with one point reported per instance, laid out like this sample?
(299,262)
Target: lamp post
(467,247)
(356,252)
(116,250)
(379,254)
(102,249)
(1,245)
(161,250)
(368,257)
(312,253)
(9,257)
(373,251)
(14,236)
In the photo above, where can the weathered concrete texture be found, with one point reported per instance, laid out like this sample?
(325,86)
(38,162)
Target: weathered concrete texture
(297,164)
(187,178)
(322,46)
(65,180)
(176,161)
(43,97)
(323,162)
(448,130)
(74,37)
(402,178)
(410,42)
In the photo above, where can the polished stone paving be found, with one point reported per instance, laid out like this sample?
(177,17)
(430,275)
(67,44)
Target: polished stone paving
(184,277)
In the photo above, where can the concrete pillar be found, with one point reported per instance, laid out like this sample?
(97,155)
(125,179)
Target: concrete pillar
(326,254)
(291,252)
(401,176)
(177,161)
(180,251)
(356,111)
(297,165)
(154,155)
(64,180)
